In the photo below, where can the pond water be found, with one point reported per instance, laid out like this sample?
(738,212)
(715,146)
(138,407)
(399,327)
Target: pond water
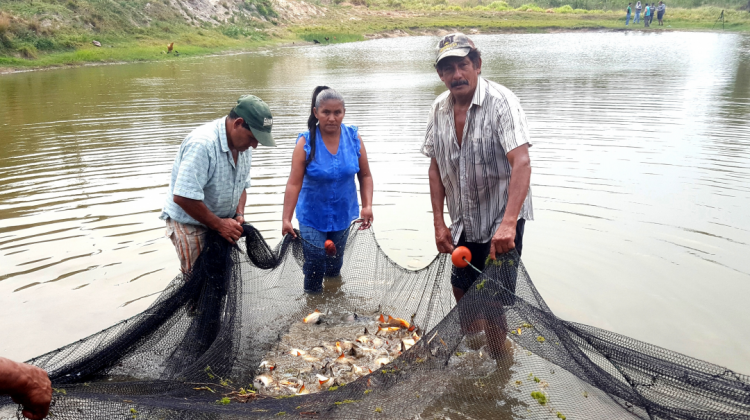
(641,176)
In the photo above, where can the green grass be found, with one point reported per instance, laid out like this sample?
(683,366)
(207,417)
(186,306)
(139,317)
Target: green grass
(311,34)
(43,33)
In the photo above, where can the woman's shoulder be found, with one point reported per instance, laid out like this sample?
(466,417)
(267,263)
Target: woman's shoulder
(350,131)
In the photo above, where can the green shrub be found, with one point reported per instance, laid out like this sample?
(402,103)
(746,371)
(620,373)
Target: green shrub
(530,7)
(28,51)
(498,5)
(44,44)
(564,9)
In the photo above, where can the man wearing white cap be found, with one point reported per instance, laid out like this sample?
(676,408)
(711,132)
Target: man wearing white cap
(478,141)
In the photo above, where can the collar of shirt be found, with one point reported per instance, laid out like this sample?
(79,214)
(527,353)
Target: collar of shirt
(224,144)
(223,135)
(480,92)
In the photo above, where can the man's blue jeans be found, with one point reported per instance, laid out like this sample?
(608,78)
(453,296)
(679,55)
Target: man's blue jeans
(637,16)
(627,19)
(317,264)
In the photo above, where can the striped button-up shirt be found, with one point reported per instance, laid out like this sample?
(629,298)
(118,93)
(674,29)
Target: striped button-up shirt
(205,170)
(476,175)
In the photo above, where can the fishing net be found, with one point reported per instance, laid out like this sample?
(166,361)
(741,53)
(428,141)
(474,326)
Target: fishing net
(198,349)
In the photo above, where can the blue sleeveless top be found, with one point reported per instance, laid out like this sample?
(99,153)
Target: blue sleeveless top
(328,199)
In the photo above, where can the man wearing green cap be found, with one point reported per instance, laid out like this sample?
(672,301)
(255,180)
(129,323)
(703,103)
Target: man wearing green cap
(210,175)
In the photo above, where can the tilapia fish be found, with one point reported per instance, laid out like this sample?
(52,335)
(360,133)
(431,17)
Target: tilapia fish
(318,353)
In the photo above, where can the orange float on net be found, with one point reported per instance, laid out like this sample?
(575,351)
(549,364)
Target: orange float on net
(330,248)
(461,256)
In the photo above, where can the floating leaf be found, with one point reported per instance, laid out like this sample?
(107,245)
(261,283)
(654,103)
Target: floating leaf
(540,397)
(540,339)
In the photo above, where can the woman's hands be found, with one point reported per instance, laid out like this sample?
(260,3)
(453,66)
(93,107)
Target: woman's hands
(366,218)
(286,227)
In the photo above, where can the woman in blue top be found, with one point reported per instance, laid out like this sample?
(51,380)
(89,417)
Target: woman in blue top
(321,186)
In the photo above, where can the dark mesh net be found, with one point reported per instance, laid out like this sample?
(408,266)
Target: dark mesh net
(197,351)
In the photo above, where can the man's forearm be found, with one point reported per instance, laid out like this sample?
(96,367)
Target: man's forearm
(520,179)
(437,194)
(11,377)
(197,210)
(241,205)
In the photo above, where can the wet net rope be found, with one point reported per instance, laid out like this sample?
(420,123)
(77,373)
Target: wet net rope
(196,351)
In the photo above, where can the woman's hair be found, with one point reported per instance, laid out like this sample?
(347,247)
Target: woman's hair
(320,95)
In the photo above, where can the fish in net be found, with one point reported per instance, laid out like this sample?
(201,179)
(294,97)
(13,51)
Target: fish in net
(198,351)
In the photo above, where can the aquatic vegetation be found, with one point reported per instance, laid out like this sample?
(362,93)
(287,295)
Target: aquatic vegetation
(224,401)
(539,396)
(345,402)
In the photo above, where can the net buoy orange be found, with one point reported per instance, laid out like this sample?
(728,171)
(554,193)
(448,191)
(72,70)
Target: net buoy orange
(330,248)
(461,256)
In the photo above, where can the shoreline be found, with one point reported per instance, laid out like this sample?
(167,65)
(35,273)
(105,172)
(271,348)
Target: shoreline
(364,24)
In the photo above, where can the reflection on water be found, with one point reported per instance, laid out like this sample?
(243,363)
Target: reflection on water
(641,163)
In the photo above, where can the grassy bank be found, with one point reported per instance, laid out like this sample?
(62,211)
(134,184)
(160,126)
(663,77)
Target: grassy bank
(44,33)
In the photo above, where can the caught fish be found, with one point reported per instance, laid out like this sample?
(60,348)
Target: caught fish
(357,370)
(311,359)
(313,318)
(382,361)
(338,348)
(388,329)
(363,339)
(289,384)
(303,391)
(263,381)
(342,359)
(398,322)
(324,382)
(268,365)
(407,343)
(297,352)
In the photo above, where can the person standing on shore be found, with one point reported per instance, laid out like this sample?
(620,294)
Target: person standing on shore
(477,140)
(638,9)
(660,13)
(210,176)
(627,16)
(646,16)
(653,12)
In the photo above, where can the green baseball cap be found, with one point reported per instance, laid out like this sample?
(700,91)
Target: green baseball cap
(257,116)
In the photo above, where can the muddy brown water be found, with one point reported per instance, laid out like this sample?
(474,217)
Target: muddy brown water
(641,170)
